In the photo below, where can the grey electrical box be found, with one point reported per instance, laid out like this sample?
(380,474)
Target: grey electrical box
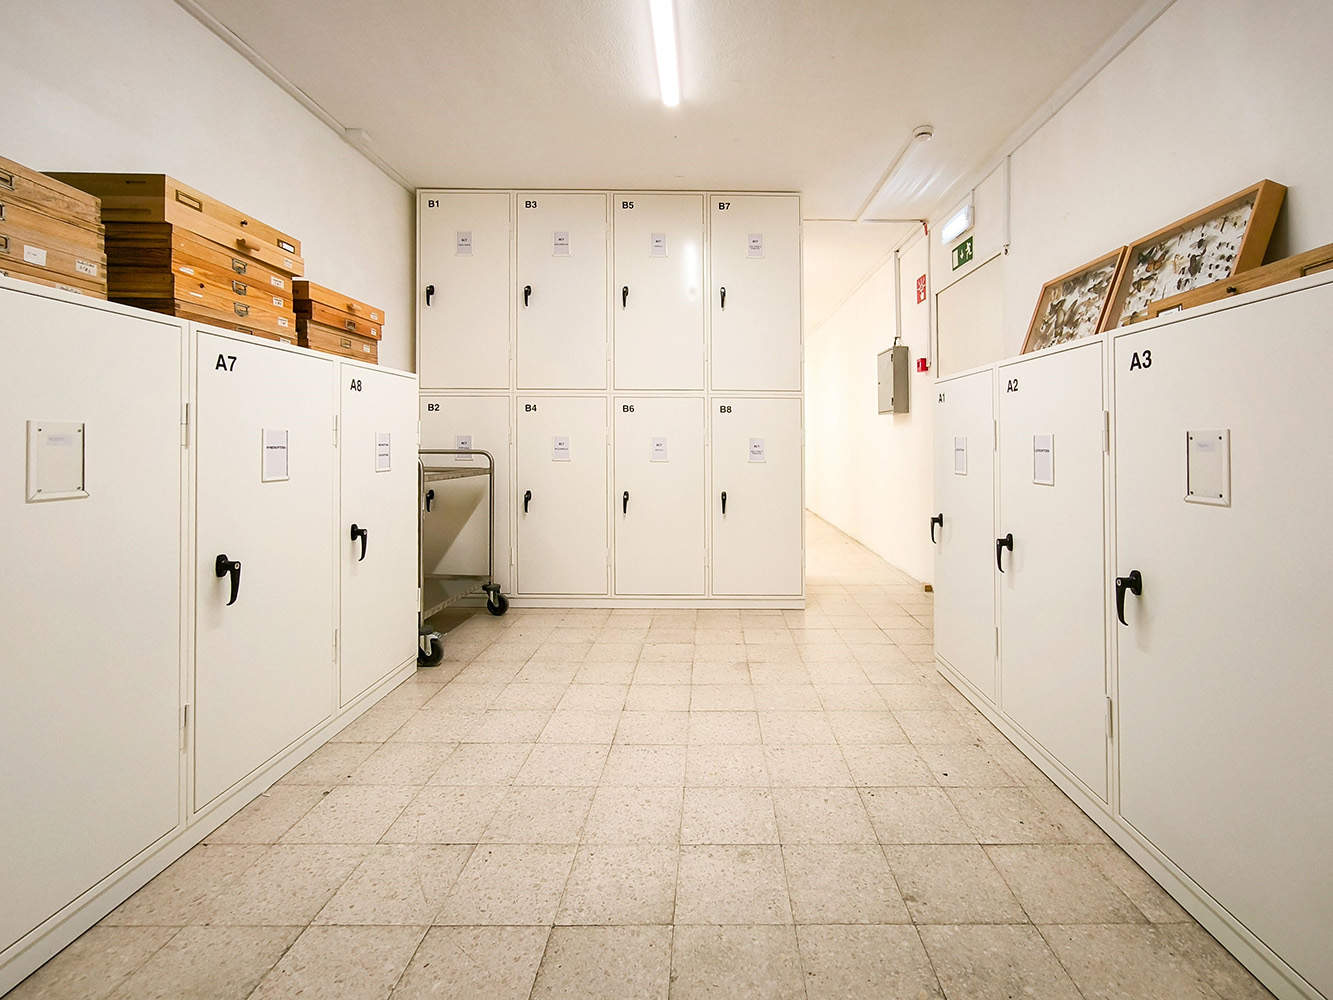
(893,380)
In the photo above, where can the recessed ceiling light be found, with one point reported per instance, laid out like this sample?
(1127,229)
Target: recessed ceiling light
(664,41)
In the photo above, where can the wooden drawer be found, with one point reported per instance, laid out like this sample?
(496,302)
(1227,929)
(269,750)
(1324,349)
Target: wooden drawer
(74,237)
(158,198)
(336,319)
(46,194)
(223,300)
(204,312)
(20,247)
(189,282)
(334,341)
(152,244)
(42,276)
(334,300)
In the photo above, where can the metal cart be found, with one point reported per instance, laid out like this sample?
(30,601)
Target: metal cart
(439,591)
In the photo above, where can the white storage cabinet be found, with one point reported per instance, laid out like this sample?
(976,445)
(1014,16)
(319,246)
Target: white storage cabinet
(658,500)
(377,449)
(964,528)
(466,292)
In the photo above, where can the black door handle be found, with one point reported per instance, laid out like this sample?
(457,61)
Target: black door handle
(624,503)
(1134,584)
(724,501)
(624,296)
(723,290)
(362,534)
(527,497)
(430,495)
(527,294)
(225,566)
(937,519)
(430,293)
(1007,542)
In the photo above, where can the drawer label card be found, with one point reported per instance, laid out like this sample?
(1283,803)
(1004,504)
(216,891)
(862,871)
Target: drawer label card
(960,456)
(275,467)
(560,448)
(34,255)
(277,301)
(659,450)
(383,460)
(1043,459)
(85,267)
(277,282)
(462,442)
(659,245)
(561,244)
(463,244)
(756,247)
(757,450)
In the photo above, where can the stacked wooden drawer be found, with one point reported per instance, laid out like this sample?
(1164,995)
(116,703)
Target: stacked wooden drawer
(338,324)
(50,233)
(175,250)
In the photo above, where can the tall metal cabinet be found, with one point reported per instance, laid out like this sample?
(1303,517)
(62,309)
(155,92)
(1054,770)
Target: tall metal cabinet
(679,313)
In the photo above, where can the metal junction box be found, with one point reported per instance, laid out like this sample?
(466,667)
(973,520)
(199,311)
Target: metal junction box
(893,371)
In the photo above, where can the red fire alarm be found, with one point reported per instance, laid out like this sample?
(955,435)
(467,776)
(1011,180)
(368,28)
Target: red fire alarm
(921,292)
(923,364)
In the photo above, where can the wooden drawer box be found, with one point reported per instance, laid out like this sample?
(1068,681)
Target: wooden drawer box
(331,340)
(334,319)
(162,199)
(83,266)
(328,298)
(50,233)
(164,247)
(44,276)
(46,195)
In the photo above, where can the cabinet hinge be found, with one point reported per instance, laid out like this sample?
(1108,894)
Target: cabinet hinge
(185,726)
(995,435)
(335,430)
(185,427)
(997,642)
(1110,720)
(1106,431)
(335,645)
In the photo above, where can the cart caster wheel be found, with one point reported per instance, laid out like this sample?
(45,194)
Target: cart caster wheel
(498,604)
(432,655)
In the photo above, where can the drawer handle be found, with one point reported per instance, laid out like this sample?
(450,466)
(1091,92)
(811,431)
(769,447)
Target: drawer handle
(1134,584)
(345,343)
(4,244)
(1007,542)
(240,308)
(350,324)
(240,288)
(239,266)
(362,534)
(352,307)
(245,245)
(937,519)
(189,201)
(229,567)
(6,180)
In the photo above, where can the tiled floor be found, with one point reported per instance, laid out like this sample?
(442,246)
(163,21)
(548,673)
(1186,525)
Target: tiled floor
(662,804)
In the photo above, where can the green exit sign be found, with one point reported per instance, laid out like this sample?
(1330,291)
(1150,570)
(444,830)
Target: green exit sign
(962,253)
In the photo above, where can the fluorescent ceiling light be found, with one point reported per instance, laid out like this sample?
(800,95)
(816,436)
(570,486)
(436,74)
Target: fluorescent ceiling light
(959,223)
(664,40)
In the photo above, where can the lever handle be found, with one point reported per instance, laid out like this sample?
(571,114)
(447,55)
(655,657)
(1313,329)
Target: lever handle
(362,534)
(937,519)
(624,296)
(724,501)
(527,498)
(527,294)
(624,503)
(1134,584)
(229,567)
(723,290)
(430,293)
(430,496)
(1007,542)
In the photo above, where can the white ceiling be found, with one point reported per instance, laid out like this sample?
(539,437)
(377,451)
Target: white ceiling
(815,96)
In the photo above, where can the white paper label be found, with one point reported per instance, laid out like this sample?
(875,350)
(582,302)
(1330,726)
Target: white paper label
(659,245)
(383,452)
(275,456)
(756,248)
(463,442)
(185,270)
(560,448)
(277,302)
(659,450)
(282,321)
(561,244)
(85,267)
(960,456)
(1043,459)
(277,283)
(34,255)
(757,450)
(287,264)
(463,244)
(1208,467)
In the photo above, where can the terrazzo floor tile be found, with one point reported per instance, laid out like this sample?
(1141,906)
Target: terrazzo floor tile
(952,884)
(634,814)
(1125,962)
(180,895)
(342,963)
(287,886)
(736,963)
(865,963)
(914,815)
(482,764)
(329,765)
(822,816)
(269,816)
(605,963)
(1006,816)
(728,816)
(397,885)
(842,884)
(209,963)
(567,764)
(509,885)
(986,961)
(539,815)
(1060,884)
(400,764)
(95,964)
(727,767)
(893,765)
(474,963)
(724,884)
(645,765)
(620,884)
(814,766)
(447,815)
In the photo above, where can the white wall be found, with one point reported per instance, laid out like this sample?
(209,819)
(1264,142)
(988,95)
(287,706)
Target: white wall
(1213,96)
(864,469)
(140,86)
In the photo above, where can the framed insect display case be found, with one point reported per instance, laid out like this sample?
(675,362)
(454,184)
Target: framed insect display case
(1071,306)
(1211,245)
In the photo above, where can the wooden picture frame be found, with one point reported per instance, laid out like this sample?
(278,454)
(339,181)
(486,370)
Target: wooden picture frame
(1213,244)
(1287,269)
(1072,306)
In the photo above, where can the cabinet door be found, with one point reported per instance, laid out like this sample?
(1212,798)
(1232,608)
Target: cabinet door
(464,289)
(658,499)
(965,543)
(1224,684)
(561,495)
(657,295)
(756,497)
(755,279)
(377,534)
(265,487)
(1053,591)
(90,653)
(456,533)
(561,298)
